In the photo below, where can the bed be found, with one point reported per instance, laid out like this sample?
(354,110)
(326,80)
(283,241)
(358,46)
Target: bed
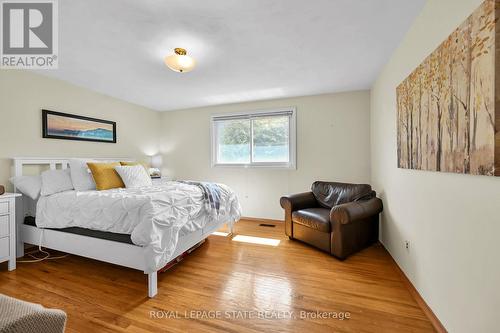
(143,229)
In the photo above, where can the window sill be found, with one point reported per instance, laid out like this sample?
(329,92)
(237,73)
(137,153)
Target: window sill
(283,166)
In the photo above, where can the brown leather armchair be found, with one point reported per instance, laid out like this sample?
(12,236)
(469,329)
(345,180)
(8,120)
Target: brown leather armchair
(337,218)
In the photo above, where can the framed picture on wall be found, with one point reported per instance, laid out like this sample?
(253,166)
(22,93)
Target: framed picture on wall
(448,108)
(65,126)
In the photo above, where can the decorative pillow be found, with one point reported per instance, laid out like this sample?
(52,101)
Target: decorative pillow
(81,175)
(134,163)
(55,181)
(28,185)
(134,176)
(105,175)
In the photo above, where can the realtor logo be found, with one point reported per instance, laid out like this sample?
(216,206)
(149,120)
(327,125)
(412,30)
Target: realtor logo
(29,36)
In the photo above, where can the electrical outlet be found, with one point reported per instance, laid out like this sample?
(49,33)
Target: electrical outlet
(407,245)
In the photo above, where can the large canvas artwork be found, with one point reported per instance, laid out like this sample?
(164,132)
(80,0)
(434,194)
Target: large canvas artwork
(58,125)
(447,118)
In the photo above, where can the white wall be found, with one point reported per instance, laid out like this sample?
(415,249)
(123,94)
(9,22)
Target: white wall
(451,220)
(332,144)
(22,96)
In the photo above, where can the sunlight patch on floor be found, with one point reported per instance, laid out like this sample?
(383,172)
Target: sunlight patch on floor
(220,233)
(256,240)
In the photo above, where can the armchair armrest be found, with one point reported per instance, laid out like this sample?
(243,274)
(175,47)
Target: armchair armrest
(295,202)
(356,210)
(298,201)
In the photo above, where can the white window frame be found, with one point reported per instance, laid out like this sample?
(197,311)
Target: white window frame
(292,146)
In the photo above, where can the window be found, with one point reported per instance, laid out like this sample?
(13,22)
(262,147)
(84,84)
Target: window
(261,138)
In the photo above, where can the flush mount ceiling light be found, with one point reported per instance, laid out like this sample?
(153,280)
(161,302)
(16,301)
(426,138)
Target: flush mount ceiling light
(180,61)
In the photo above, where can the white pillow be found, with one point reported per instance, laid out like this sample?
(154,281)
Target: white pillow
(55,181)
(81,175)
(28,185)
(134,176)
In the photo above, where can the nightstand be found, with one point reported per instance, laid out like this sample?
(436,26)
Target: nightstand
(8,229)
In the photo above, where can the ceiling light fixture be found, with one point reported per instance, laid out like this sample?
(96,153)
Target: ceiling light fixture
(180,61)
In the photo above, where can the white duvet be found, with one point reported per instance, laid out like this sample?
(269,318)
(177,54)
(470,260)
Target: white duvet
(153,216)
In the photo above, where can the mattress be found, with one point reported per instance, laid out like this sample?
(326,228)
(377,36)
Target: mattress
(111,236)
(153,217)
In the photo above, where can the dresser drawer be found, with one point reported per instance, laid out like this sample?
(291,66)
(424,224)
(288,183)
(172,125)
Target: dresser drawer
(4,225)
(4,247)
(4,208)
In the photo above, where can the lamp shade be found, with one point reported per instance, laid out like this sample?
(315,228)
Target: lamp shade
(180,61)
(156,161)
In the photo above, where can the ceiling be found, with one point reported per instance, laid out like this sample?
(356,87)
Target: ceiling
(245,49)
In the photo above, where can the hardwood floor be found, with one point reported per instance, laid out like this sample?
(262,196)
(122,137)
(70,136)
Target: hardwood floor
(228,276)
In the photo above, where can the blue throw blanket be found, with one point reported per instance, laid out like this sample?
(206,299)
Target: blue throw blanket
(211,194)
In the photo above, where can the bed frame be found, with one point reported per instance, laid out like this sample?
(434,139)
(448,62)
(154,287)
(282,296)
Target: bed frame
(127,255)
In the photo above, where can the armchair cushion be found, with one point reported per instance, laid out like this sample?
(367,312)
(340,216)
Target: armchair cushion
(331,194)
(314,218)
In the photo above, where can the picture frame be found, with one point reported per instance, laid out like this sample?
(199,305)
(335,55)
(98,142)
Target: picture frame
(66,126)
(448,108)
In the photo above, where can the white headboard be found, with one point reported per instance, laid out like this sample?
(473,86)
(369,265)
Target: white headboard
(53,162)
(25,206)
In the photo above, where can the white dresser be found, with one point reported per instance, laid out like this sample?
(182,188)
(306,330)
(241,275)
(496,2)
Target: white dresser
(8,229)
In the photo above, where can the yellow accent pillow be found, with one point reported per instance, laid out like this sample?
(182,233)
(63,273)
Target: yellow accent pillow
(105,175)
